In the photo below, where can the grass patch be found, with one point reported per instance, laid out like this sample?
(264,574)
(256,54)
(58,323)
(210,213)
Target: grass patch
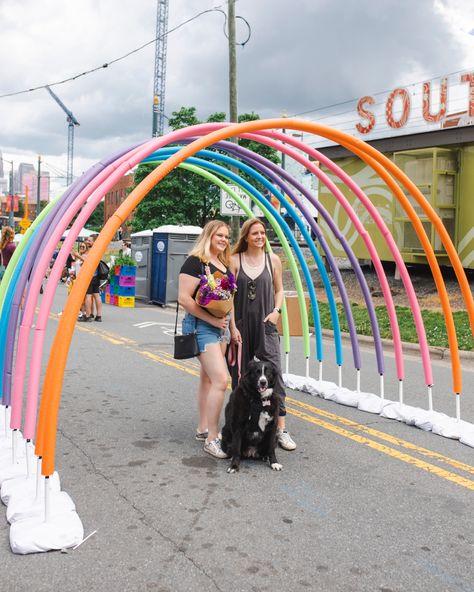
(433,321)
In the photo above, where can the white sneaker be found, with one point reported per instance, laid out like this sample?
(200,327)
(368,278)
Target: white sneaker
(285,440)
(214,448)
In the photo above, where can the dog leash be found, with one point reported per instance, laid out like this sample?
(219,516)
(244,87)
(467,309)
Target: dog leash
(233,357)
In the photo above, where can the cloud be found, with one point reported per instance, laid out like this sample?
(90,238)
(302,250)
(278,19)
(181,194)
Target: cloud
(301,55)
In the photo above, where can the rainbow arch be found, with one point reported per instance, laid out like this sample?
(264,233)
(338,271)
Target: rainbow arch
(20,287)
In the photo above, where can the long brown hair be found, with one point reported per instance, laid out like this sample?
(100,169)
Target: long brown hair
(242,244)
(202,247)
(8,235)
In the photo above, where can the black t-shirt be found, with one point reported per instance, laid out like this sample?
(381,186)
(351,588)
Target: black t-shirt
(194,267)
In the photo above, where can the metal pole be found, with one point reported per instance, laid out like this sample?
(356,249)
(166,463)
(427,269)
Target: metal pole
(11,220)
(233,114)
(38,189)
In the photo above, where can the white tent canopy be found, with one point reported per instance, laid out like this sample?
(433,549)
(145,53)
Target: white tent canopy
(83,234)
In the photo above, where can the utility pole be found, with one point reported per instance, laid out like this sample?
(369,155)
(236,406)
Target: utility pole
(38,189)
(233,114)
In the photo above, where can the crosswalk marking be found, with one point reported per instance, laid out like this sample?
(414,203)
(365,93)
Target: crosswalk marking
(145,324)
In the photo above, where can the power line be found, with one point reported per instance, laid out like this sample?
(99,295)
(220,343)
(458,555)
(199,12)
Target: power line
(373,95)
(107,64)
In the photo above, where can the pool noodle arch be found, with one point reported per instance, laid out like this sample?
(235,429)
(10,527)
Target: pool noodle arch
(288,138)
(296,125)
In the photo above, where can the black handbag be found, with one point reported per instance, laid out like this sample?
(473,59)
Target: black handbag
(185,346)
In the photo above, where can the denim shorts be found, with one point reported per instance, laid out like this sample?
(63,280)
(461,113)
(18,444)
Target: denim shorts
(205,332)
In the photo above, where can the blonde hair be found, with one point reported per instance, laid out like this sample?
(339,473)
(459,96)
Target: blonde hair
(8,235)
(202,247)
(242,244)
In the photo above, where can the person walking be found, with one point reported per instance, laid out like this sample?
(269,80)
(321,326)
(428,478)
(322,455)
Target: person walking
(7,248)
(212,249)
(257,308)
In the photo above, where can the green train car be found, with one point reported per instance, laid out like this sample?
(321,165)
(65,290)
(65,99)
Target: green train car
(443,173)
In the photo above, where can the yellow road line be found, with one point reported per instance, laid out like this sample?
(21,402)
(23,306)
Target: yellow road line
(383,436)
(421,464)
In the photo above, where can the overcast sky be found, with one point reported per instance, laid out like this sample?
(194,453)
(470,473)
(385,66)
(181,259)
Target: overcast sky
(302,55)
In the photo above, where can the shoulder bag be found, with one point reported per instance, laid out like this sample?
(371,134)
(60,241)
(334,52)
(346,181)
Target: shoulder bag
(185,346)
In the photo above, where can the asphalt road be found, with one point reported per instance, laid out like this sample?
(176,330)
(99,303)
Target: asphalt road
(363,504)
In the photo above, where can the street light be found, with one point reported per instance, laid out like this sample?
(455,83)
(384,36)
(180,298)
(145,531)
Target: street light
(11,220)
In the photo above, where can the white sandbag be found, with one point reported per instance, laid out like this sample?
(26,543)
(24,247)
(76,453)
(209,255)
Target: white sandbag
(371,403)
(467,437)
(344,396)
(10,470)
(62,531)
(25,487)
(29,508)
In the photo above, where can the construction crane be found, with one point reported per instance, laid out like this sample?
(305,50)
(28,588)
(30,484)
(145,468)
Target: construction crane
(160,68)
(71,122)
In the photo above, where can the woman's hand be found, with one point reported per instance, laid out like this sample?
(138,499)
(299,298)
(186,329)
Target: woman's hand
(272,317)
(221,324)
(235,335)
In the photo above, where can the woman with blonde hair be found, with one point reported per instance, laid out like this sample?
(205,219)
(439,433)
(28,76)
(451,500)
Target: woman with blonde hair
(211,249)
(257,308)
(7,248)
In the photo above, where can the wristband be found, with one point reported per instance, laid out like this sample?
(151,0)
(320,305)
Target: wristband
(278,310)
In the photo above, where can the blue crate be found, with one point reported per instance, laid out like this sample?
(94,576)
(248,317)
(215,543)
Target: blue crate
(128,270)
(126,291)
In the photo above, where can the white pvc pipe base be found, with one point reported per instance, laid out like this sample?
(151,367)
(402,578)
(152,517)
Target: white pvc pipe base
(32,508)
(24,488)
(35,535)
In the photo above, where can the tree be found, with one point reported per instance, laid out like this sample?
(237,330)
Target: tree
(96,219)
(183,197)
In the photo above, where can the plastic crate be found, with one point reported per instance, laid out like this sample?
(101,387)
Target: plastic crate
(126,291)
(115,290)
(107,298)
(126,301)
(127,280)
(117,269)
(102,296)
(107,289)
(128,270)
(114,280)
(113,300)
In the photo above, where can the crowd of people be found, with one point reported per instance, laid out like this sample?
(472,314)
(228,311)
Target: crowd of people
(251,325)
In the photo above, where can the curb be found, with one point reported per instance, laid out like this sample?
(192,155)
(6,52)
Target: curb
(437,353)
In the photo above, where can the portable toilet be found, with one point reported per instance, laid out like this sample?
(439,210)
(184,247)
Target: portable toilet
(171,245)
(141,252)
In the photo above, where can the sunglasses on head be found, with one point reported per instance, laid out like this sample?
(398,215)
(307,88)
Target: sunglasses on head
(251,290)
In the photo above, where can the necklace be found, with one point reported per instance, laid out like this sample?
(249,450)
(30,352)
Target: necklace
(249,264)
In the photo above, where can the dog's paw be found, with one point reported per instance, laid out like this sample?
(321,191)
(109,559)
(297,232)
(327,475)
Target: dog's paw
(276,466)
(232,469)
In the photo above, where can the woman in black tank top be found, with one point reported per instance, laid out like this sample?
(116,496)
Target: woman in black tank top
(257,308)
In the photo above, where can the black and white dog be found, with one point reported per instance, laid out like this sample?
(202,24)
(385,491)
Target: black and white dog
(251,417)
